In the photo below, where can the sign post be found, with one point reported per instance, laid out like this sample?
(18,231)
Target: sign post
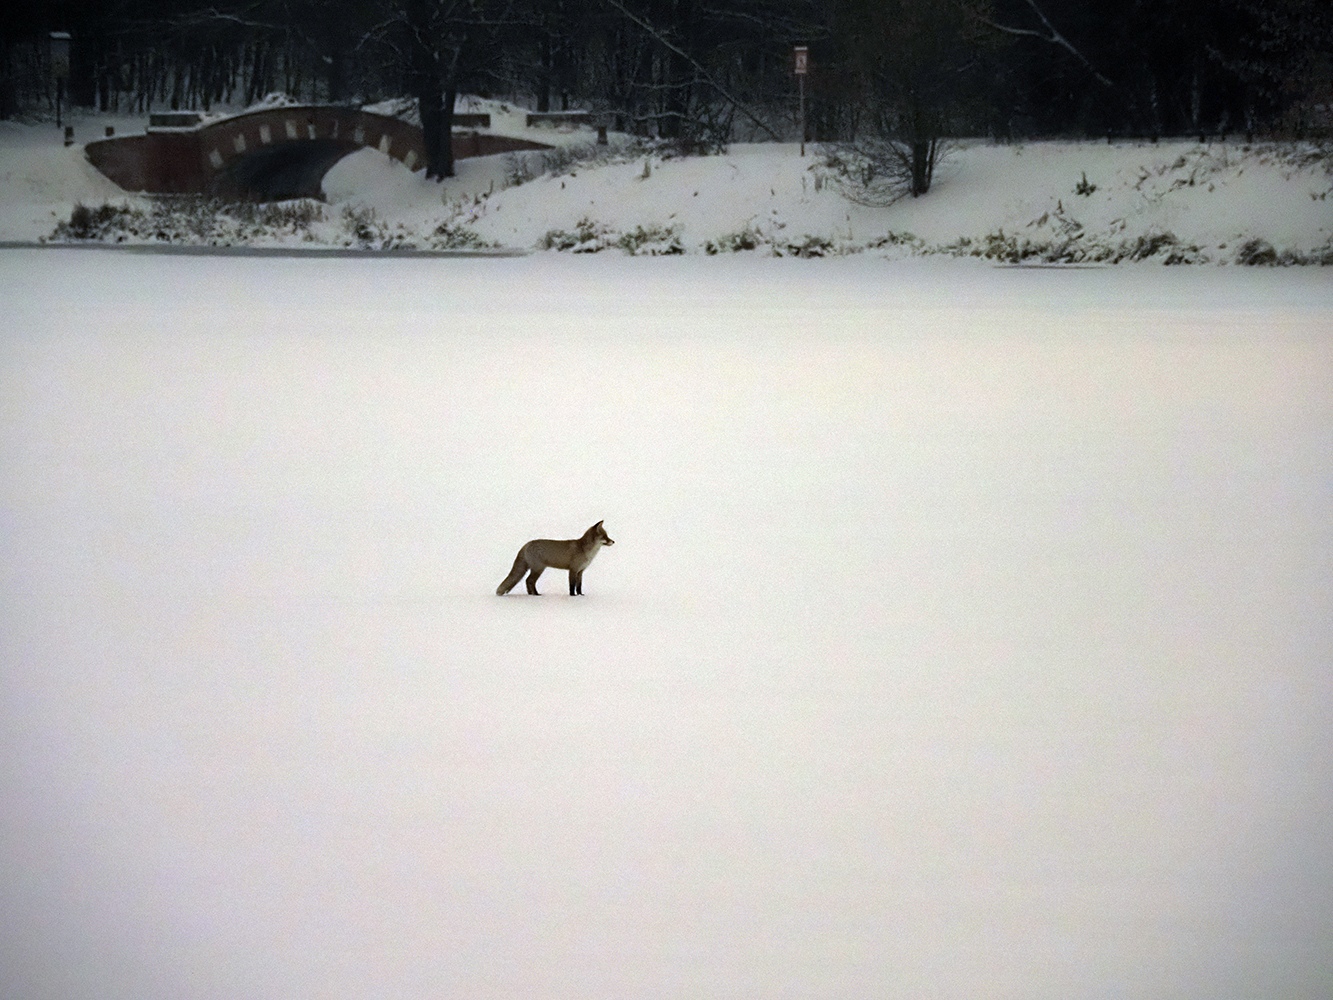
(59,67)
(802,54)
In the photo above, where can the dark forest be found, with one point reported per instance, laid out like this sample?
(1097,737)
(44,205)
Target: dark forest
(706,71)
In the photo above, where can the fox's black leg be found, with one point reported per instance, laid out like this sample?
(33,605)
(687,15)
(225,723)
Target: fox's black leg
(575,583)
(532,579)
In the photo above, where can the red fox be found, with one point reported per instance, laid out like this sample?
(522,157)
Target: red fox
(573,554)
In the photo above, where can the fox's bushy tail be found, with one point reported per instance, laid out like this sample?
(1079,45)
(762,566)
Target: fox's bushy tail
(515,574)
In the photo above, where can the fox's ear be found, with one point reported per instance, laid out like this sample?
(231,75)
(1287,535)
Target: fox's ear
(598,524)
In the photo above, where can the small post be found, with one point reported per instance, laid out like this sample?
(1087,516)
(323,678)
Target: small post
(801,84)
(802,54)
(59,43)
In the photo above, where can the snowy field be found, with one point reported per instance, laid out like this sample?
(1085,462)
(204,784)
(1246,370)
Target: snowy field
(967,634)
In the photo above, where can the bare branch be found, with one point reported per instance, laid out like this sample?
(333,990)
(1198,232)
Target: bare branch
(698,68)
(1051,35)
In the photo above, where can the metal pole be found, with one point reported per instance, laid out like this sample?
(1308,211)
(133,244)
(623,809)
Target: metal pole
(801,66)
(801,78)
(58,43)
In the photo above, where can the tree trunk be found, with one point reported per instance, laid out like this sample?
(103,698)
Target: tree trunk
(431,110)
(680,75)
(923,139)
(546,75)
(923,159)
(177,84)
(436,107)
(336,76)
(446,150)
(8,91)
(432,82)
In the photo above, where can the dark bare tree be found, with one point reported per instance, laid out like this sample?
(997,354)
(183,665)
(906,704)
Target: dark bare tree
(912,63)
(441,47)
(704,71)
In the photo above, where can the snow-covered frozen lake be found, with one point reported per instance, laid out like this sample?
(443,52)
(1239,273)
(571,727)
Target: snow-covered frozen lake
(968,631)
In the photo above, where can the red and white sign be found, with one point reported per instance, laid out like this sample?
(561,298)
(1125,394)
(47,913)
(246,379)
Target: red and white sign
(802,60)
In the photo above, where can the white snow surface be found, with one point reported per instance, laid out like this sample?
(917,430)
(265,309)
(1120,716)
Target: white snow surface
(966,634)
(1215,197)
(1209,198)
(41,179)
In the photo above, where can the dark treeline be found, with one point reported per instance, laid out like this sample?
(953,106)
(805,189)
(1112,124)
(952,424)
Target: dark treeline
(704,71)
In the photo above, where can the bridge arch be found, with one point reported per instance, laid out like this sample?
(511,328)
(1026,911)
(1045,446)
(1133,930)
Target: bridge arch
(224,141)
(281,153)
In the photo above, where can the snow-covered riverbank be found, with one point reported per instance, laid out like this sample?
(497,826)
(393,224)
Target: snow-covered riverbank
(1172,202)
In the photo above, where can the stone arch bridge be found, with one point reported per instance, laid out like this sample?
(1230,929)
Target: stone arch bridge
(271,154)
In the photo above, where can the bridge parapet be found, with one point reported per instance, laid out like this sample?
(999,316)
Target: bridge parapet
(230,138)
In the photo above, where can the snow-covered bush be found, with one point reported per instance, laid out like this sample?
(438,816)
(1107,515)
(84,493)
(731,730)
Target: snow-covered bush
(1259,252)
(366,231)
(879,172)
(529,165)
(452,236)
(806,246)
(1010,248)
(362,225)
(562,159)
(1256,251)
(521,168)
(1154,244)
(908,241)
(651,241)
(586,237)
(100,223)
(592,237)
(748,238)
(198,221)
(192,221)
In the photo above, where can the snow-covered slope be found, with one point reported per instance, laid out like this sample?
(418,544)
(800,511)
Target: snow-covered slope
(1060,201)
(41,179)
(1211,197)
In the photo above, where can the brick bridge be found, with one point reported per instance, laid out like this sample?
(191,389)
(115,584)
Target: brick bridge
(271,154)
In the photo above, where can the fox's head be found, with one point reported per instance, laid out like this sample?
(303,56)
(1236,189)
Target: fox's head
(598,534)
